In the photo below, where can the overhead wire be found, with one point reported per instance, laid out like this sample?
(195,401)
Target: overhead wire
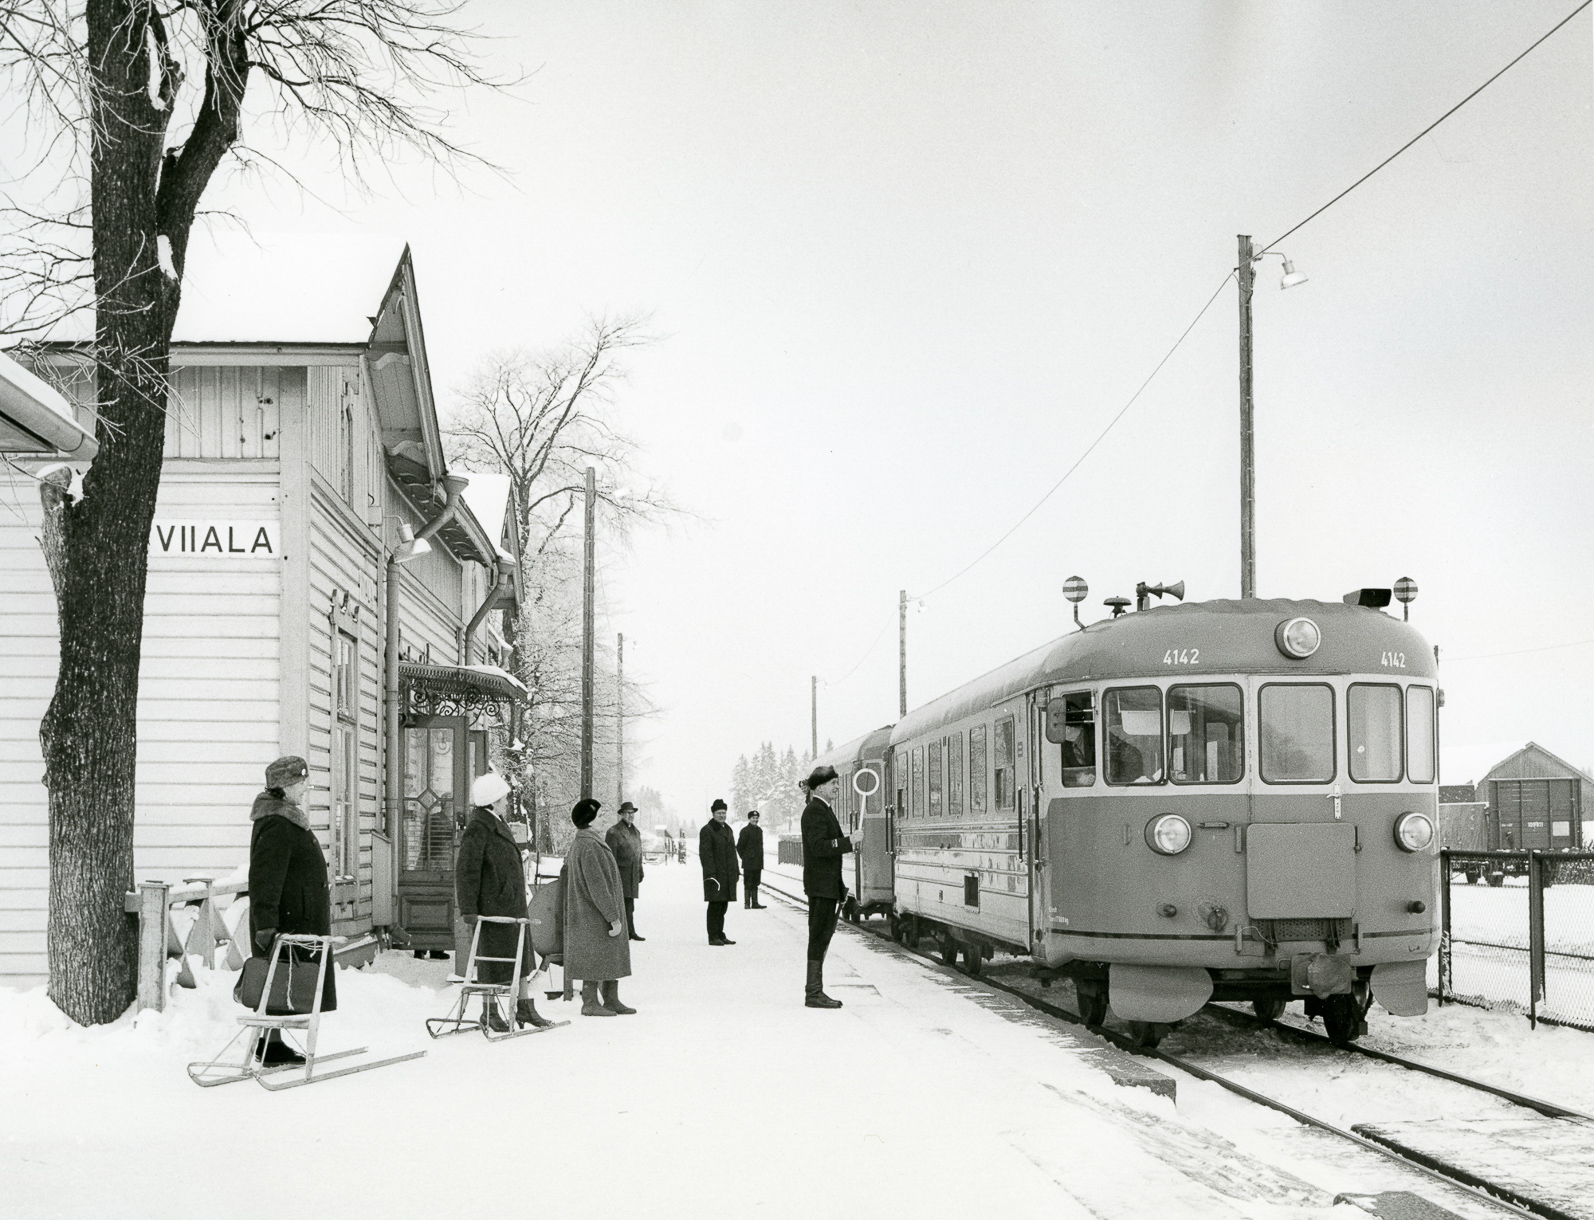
(1519,652)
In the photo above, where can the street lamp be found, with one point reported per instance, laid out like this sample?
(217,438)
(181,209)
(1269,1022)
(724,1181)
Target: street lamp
(1245,273)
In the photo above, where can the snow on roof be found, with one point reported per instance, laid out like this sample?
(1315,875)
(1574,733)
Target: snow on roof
(488,497)
(30,403)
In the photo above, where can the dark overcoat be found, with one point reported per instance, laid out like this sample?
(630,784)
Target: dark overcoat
(716,850)
(625,842)
(288,880)
(750,847)
(823,847)
(490,879)
(593,902)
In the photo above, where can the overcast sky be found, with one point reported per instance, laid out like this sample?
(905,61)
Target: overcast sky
(908,260)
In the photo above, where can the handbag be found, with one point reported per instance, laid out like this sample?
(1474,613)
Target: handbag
(292,986)
(546,911)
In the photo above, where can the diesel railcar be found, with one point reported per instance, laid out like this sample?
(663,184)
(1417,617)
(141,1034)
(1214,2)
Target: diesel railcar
(1230,799)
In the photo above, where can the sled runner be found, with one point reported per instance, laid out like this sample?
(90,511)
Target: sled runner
(495,997)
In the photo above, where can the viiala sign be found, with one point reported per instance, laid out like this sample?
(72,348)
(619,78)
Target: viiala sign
(216,539)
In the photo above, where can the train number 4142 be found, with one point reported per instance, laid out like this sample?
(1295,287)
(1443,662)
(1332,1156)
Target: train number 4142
(1181,656)
(1395,660)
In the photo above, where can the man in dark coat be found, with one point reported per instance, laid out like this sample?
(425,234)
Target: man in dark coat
(625,841)
(716,850)
(823,847)
(750,847)
(489,879)
(287,881)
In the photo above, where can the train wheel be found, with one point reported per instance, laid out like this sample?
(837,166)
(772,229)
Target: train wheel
(909,927)
(1092,995)
(1343,1019)
(1146,1034)
(949,950)
(1268,1010)
(973,956)
(1472,876)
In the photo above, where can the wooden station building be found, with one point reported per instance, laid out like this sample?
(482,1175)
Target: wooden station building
(290,607)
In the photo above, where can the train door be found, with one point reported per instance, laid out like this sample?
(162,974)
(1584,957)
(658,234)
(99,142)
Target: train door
(1069,826)
(1029,839)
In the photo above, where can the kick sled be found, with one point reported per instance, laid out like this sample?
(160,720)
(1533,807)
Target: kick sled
(493,997)
(272,1016)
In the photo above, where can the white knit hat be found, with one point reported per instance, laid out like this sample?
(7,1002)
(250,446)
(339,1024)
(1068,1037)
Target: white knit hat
(487,788)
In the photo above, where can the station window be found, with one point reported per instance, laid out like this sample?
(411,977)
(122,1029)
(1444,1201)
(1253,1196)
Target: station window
(1373,727)
(1132,717)
(977,770)
(1005,793)
(1079,739)
(1420,734)
(918,781)
(1206,739)
(1297,733)
(936,807)
(345,756)
(954,775)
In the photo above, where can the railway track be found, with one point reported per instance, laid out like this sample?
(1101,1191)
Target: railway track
(1475,1185)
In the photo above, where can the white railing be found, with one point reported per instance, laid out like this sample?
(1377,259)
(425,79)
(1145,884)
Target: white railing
(158,941)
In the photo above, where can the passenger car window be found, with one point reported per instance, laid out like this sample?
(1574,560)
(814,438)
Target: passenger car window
(1132,718)
(954,775)
(1419,734)
(1373,729)
(1297,733)
(1206,738)
(977,769)
(934,750)
(918,781)
(1079,739)
(1004,763)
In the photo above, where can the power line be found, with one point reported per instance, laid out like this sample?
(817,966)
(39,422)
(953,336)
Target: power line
(1103,436)
(1425,130)
(1485,656)
(865,656)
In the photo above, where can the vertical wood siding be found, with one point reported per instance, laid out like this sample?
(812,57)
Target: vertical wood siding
(221,412)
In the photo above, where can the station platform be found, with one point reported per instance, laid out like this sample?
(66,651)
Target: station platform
(926,1096)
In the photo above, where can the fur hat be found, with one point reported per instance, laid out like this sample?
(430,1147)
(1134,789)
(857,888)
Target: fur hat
(487,788)
(289,769)
(718,805)
(820,775)
(585,811)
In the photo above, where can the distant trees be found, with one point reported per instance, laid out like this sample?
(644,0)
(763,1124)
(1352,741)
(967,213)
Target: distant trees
(768,783)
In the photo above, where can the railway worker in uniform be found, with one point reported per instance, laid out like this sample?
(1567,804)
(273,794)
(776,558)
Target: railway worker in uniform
(716,851)
(625,841)
(823,847)
(287,881)
(489,879)
(750,847)
(596,950)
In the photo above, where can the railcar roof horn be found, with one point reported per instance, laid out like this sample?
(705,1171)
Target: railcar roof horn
(1144,593)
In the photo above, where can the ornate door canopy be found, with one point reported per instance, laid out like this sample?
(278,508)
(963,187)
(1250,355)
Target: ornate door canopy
(456,690)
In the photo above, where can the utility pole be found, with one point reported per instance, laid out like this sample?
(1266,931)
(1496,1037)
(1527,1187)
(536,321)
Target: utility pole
(902,653)
(586,635)
(1247,430)
(619,721)
(813,707)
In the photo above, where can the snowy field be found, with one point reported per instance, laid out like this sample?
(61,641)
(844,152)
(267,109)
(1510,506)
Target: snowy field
(925,1096)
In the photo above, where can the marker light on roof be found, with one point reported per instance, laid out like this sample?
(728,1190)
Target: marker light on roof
(1298,638)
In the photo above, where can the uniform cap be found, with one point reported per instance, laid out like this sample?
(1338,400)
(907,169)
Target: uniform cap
(820,775)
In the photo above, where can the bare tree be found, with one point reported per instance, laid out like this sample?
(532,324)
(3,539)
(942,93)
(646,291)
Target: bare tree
(137,103)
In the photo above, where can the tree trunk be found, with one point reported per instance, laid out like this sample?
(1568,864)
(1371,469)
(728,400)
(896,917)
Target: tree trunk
(98,546)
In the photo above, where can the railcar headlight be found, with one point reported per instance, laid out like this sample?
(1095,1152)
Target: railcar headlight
(1168,834)
(1413,831)
(1298,638)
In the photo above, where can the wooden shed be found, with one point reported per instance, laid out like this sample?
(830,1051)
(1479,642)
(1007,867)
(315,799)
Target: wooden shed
(302,450)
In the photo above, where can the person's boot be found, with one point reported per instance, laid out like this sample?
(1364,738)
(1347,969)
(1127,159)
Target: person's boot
(592,1001)
(816,997)
(611,998)
(495,1019)
(526,1014)
(754,903)
(276,1052)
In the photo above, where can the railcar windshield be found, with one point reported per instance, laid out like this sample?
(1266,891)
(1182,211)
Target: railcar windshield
(1420,734)
(1297,733)
(1133,720)
(1205,734)
(1374,724)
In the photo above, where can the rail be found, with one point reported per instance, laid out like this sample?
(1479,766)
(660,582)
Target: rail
(158,941)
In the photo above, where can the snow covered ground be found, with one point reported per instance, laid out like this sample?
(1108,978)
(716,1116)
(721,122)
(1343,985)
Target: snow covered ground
(925,1096)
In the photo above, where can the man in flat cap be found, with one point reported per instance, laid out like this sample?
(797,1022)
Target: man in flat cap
(716,852)
(823,847)
(625,841)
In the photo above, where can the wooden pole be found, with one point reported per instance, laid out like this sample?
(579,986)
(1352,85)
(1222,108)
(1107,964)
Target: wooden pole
(1247,430)
(619,721)
(902,653)
(586,635)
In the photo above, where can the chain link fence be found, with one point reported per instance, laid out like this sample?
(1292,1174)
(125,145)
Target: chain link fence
(1518,930)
